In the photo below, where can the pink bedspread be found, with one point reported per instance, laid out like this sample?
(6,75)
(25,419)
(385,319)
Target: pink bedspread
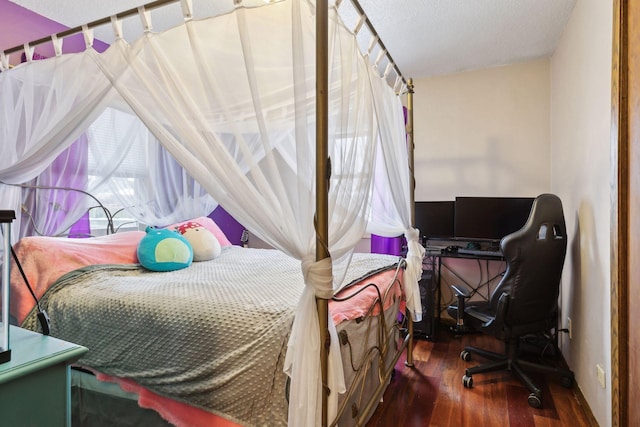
(177,413)
(45,259)
(359,306)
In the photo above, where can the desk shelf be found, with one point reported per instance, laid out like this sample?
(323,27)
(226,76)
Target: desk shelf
(435,260)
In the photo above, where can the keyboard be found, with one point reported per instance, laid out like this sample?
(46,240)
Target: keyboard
(479,252)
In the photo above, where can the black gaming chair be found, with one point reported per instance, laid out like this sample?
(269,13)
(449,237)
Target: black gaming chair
(525,301)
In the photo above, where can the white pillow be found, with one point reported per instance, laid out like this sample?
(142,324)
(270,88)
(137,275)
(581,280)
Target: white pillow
(204,244)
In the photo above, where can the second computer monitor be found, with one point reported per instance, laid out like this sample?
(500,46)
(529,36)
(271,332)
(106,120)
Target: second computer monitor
(490,218)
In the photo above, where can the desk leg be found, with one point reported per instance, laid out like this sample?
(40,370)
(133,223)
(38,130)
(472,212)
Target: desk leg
(438,296)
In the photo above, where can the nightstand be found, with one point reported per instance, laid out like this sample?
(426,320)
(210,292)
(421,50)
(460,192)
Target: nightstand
(35,385)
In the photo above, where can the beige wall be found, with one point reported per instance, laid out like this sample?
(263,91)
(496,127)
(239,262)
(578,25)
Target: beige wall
(580,174)
(528,128)
(483,133)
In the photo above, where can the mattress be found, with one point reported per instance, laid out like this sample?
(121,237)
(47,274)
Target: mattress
(212,336)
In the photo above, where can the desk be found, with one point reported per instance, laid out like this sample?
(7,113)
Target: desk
(435,260)
(35,385)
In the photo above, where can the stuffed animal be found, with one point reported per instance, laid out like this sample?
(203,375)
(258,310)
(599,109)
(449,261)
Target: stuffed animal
(204,244)
(164,250)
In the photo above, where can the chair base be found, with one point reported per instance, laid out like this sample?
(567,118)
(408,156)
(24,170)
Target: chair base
(511,362)
(459,330)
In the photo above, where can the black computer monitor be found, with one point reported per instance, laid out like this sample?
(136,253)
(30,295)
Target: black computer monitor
(490,218)
(435,219)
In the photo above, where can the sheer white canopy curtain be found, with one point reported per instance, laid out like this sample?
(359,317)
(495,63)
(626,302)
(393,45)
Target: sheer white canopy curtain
(64,109)
(232,99)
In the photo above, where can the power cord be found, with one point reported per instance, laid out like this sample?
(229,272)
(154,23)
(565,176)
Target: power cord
(43,317)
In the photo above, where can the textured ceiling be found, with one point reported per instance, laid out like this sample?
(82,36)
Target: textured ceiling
(425,37)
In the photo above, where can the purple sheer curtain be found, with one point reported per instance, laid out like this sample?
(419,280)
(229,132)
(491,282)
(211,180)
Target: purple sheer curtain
(77,154)
(47,210)
(387,245)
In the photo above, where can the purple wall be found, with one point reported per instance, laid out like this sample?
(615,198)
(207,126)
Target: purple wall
(231,228)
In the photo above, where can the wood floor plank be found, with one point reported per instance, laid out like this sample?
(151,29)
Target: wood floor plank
(431,393)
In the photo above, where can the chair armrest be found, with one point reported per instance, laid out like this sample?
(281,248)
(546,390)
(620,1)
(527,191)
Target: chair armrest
(460,291)
(501,311)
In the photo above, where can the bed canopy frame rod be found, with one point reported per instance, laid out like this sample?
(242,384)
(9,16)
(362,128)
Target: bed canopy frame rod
(412,199)
(375,34)
(323,174)
(97,23)
(160,3)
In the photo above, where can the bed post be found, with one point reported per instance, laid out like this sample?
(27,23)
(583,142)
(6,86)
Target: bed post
(412,198)
(322,184)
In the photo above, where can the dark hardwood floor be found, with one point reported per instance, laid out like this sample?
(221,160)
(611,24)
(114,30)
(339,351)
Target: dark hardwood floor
(432,394)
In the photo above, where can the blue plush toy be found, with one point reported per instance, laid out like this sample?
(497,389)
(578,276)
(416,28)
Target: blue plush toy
(164,250)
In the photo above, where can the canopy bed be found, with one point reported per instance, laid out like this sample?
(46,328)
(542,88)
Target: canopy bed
(273,111)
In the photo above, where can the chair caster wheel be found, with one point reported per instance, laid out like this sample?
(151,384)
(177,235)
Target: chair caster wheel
(465,355)
(535,401)
(566,382)
(467,381)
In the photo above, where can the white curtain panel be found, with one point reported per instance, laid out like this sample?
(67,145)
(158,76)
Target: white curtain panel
(46,106)
(391,208)
(232,99)
(128,163)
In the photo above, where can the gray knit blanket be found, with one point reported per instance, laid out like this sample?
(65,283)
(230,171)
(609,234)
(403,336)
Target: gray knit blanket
(212,335)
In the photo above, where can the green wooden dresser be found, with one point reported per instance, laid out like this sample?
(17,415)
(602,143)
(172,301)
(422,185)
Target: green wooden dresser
(35,385)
